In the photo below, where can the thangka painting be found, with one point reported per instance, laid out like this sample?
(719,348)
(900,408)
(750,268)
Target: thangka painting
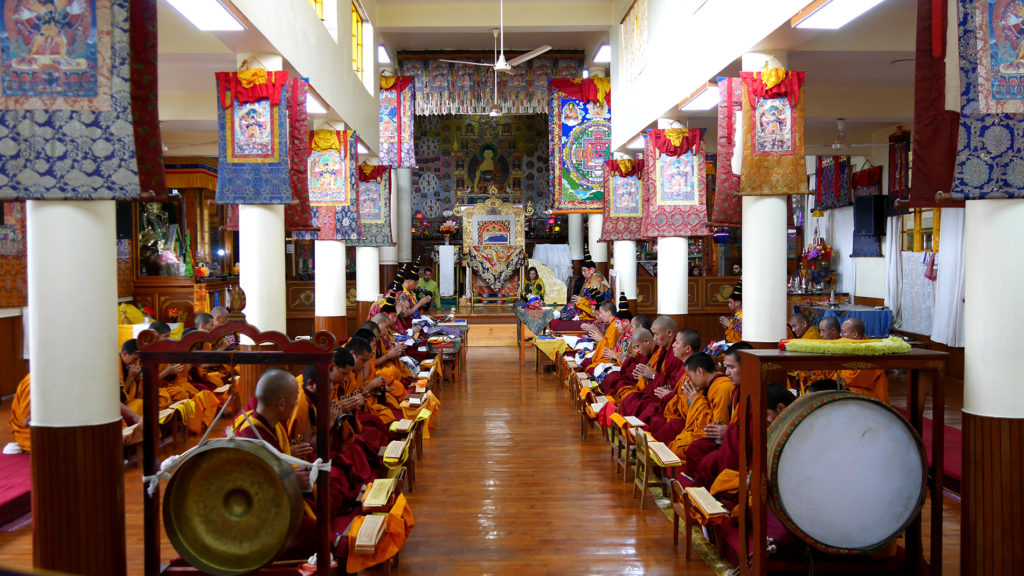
(727,209)
(623,207)
(833,182)
(990,152)
(335,166)
(252,118)
(65,83)
(773,133)
(374,193)
(397,104)
(580,145)
(674,184)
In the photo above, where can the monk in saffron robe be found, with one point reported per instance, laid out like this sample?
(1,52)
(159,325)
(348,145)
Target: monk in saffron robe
(621,320)
(593,281)
(873,383)
(642,347)
(708,396)
(377,398)
(714,432)
(802,327)
(734,324)
(371,428)
(387,360)
(605,339)
(130,371)
(667,421)
(627,358)
(828,329)
(21,415)
(656,372)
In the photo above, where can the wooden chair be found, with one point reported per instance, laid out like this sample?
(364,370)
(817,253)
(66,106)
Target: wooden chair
(643,477)
(681,509)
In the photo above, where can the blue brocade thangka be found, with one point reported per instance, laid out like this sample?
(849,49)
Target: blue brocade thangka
(990,148)
(252,170)
(65,102)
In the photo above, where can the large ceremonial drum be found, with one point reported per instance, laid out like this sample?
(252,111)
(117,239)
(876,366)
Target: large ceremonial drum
(231,507)
(846,472)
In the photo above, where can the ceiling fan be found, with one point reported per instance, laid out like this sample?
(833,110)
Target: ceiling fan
(841,145)
(500,64)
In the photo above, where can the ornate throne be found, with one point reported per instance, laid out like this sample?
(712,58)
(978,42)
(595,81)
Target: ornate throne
(494,244)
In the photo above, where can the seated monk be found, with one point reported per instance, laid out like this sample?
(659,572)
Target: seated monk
(658,371)
(828,329)
(734,324)
(221,316)
(802,328)
(388,364)
(302,424)
(21,415)
(668,420)
(277,393)
(357,385)
(641,348)
(713,432)
(378,400)
(131,379)
(603,331)
(211,376)
(873,383)
(708,396)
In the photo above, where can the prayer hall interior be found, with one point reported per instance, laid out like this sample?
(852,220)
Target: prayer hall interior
(511,287)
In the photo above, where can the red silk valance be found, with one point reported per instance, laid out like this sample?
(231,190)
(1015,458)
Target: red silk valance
(788,88)
(585,89)
(676,141)
(867,177)
(625,168)
(269,90)
(396,83)
(368,173)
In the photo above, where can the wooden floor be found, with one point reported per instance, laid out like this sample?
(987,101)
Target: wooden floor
(506,487)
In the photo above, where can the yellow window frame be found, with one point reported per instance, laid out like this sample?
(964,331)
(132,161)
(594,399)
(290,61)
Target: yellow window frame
(918,235)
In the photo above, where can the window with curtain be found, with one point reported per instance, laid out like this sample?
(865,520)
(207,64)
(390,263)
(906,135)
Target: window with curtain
(357,41)
(921,230)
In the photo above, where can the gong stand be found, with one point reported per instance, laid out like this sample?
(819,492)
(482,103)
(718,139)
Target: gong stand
(758,367)
(319,351)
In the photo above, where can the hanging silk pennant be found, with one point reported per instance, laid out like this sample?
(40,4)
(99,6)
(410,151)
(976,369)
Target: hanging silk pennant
(773,135)
(253,141)
(623,194)
(374,206)
(674,184)
(66,101)
(727,208)
(297,213)
(397,103)
(333,186)
(579,121)
(833,182)
(990,154)
(899,172)
(935,127)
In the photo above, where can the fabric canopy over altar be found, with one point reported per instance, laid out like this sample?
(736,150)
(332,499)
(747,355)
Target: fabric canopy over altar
(496,265)
(448,88)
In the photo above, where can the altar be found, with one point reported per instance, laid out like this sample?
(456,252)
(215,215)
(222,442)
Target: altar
(494,247)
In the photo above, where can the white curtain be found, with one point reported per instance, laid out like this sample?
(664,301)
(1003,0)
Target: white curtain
(446,271)
(894,269)
(948,320)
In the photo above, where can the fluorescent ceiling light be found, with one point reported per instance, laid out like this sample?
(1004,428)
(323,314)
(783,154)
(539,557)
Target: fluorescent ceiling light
(382,55)
(705,98)
(207,15)
(586,73)
(604,55)
(831,14)
(313,105)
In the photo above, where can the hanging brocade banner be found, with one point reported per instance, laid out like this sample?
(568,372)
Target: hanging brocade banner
(773,134)
(623,194)
(579,121)
(297,213)
(374,206)
(66,90)
(674,183)
(867,182)
(397,104)
(935,128)
(899,172)
(149,152)
(333,186)
(727,208)
(833,182)
(450,88)
(990,154)
(253,139)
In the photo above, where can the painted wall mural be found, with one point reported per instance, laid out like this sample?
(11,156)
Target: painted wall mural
(471,153)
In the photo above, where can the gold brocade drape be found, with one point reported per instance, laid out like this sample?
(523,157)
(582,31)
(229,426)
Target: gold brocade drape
(324,140)
(775,175)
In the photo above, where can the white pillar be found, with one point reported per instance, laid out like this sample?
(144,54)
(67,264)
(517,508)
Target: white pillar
(389,254)
(764,248)
(598,250)
(576,236)
(673,282)
(993,311)
(624,253)
(367,273)
(403,177)
(261,265)
(329,283)
(72,291)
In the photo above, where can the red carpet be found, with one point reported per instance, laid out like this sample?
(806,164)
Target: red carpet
(15,487)
(952,464)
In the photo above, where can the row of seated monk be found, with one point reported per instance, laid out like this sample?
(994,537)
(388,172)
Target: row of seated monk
(688,399)
(190,390)
(368,384)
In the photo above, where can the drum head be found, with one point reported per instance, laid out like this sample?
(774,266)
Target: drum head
(848,472)
(230,509)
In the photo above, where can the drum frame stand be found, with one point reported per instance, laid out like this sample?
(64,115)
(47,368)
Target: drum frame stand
(319,351)
(925,367)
